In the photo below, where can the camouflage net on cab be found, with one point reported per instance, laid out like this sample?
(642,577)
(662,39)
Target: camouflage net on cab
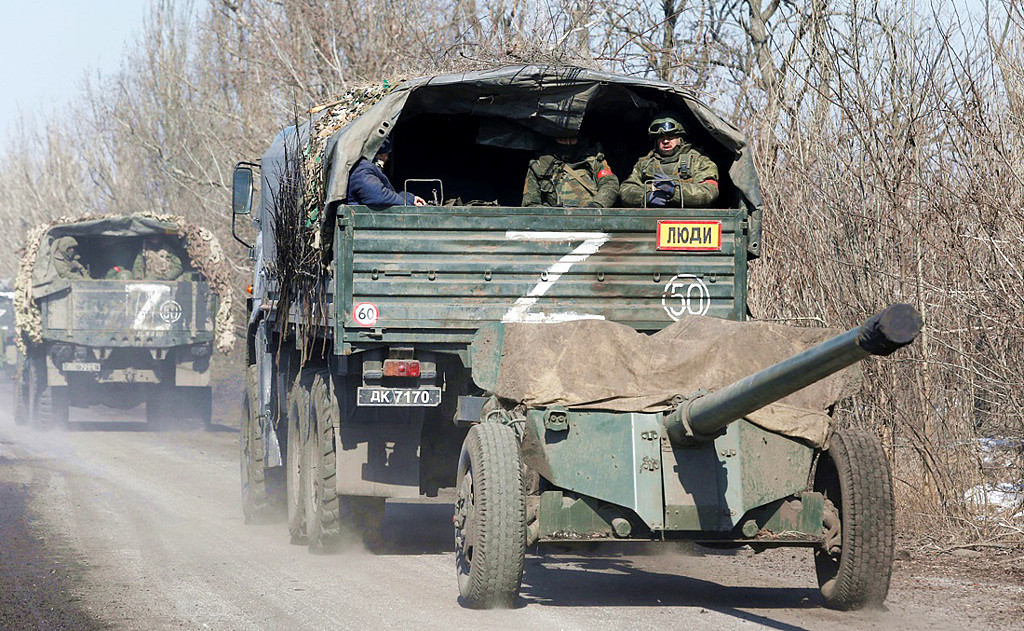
(201,245)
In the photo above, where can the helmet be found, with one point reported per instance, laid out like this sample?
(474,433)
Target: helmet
(665,125)
(65,243)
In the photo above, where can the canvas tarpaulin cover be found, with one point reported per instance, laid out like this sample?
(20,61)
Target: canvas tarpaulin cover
(515,103)
(601,365)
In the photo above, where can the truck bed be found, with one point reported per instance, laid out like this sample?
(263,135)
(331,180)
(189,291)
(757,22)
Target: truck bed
(434,275)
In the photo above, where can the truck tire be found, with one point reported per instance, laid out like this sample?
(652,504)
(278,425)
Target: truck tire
(21,394)
(295,467)
(198,406)
(52,408)
(256,504)
(158,407)
(490,518)
(323,506)
(854,476)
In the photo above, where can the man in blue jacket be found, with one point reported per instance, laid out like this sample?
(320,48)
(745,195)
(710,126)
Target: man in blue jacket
(368,186)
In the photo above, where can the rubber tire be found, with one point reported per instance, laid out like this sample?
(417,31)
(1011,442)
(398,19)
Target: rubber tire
(21,394)
(157,408)
(39,413)
(256,504)
(295,465)
(52,409)
(854,475)
(323,506)
(491,536)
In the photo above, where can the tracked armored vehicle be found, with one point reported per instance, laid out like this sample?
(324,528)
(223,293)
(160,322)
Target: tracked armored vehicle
(113,312)
(553,364)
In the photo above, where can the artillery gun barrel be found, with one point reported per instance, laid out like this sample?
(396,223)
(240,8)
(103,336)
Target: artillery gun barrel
(881,334)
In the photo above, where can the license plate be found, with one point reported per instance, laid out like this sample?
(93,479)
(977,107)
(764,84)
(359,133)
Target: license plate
(399,397)
(689,236)
(80,367)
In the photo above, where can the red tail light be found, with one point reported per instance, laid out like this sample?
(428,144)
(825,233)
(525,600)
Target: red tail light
(401,368)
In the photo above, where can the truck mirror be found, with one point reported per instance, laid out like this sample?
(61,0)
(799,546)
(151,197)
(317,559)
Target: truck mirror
(241,191)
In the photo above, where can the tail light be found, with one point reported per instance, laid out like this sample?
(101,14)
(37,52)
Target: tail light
(401,368)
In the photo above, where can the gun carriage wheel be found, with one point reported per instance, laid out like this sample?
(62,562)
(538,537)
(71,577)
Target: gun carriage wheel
(490,517)
(855,563)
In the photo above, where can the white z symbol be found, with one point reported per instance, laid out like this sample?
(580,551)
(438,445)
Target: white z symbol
(152,293)
(592,242)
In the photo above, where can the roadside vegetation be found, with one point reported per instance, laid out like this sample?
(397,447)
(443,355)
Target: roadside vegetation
(888,136)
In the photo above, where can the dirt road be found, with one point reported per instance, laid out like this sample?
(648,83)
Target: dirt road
(112,526)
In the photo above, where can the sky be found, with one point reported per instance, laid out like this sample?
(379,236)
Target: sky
(48,46)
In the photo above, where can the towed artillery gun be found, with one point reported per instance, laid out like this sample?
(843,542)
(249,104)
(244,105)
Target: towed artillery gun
(697,472)
(115,311)
(370,330)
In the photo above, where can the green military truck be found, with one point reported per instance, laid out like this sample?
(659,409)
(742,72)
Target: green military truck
(8,349)
(543,361)
(114,311)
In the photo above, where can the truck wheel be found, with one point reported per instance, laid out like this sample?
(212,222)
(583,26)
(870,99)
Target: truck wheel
(256,505)
(52,408)
(854,477)
(490,518)
(158,406)
(295,468)
(323,506)
(38,397)
(200,408)
(21,392)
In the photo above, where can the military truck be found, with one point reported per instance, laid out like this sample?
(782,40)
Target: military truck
(113,311)
(8,349)
(544,361)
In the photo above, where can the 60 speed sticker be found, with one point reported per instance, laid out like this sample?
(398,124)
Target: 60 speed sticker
(365,314)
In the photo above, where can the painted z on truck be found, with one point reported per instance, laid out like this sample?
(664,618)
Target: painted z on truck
(510,351)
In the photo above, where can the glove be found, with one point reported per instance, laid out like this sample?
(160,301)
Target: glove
(662,193)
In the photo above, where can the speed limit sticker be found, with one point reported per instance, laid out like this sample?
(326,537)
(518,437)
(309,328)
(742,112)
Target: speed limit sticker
(365,314)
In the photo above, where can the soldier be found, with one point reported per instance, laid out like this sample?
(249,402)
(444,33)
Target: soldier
(369,186)
(66,260)
(156,261)
(574,173)
(673,174)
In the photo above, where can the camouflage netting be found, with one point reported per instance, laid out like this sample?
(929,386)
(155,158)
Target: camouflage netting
(201,245)
(328,118)
(601,365)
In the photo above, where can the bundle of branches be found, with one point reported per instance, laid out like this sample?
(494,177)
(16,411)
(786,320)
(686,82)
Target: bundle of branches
(302,230)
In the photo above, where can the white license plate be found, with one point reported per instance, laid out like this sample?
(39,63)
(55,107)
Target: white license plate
(80,367)
(398,397)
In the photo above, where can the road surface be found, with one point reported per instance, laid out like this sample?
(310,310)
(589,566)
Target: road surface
(111,526)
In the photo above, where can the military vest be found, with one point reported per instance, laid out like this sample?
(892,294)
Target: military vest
(563,184)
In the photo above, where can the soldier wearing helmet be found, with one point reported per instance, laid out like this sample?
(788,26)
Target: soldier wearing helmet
(673,174)
(66,260)
(572,173)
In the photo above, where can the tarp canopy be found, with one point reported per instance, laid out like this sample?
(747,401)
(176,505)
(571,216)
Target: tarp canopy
(445,121)
(602,365)
(115,226)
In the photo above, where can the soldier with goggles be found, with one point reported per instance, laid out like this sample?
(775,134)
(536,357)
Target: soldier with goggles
(673,174)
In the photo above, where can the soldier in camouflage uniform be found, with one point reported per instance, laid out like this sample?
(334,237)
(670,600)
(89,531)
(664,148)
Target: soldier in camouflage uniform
(573,174)
(673,174)
(156,261)
(66,260)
